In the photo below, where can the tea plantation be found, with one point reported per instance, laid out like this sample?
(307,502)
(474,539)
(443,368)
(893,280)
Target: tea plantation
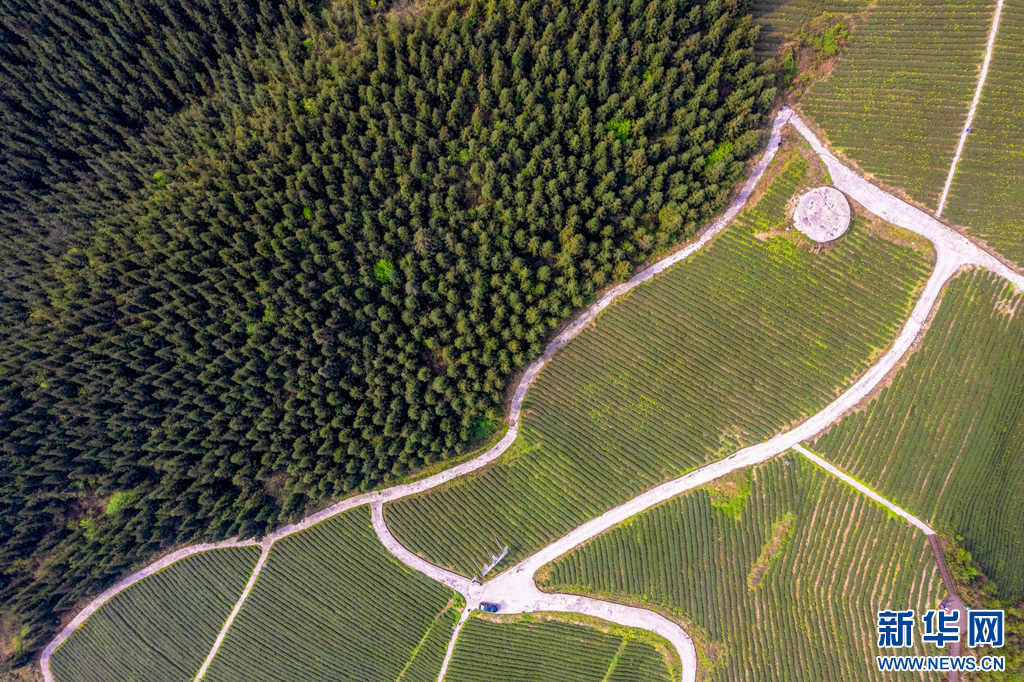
(987,194)
(551,651)
(161,628)
(944,441)
(722,351)
(897,99)
(331,603)
(785,570)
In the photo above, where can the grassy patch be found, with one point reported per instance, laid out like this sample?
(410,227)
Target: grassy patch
(731,491)
(782,531)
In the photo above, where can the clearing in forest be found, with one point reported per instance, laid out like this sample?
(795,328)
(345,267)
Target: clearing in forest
(943,441)
(828,559)
(534,650)
(161,628)
(331,603)
(895,103)
(722,351)
(987,194)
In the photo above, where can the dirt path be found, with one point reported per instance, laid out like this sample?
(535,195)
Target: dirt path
(974,105)
(238,607)
(124,583)
(515,587)
(865,490)
(951,247)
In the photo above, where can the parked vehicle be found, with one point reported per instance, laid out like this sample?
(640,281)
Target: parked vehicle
(489,607)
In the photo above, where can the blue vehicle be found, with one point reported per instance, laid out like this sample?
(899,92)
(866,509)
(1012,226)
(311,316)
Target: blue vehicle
(489,607)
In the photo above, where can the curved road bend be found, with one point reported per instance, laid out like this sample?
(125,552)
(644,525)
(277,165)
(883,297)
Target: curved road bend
(515,588)
(948,244)
(526,598)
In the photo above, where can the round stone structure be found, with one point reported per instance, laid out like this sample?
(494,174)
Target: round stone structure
(823,214)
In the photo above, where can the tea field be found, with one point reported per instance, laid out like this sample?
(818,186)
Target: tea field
(535,650)
(785,570)
(722,351)
(897,99)
(332,604)
(426,661)
(944,441)
(161,628)
(987,194)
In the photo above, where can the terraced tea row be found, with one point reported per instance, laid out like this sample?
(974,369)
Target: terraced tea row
(331,603)
(429,654)
(724,351)
(783,566)
(552,651)
(944,440)
(161,628)
(987,194)
(896,101)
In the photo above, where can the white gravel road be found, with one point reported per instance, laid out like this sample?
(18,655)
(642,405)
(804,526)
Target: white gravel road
(951,247)
(515,589)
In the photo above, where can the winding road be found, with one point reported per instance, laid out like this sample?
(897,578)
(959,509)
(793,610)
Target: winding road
(515,588)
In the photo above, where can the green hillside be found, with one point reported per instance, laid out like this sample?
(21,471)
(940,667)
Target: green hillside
(332,604)
(944,439)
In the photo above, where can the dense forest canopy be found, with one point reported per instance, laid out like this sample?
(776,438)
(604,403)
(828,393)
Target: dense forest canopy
(262,255)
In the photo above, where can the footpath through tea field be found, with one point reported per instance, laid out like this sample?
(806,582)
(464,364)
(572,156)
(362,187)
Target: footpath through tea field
(944,440)
(331,603)
(189,599)
(987,195)
(896,101)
